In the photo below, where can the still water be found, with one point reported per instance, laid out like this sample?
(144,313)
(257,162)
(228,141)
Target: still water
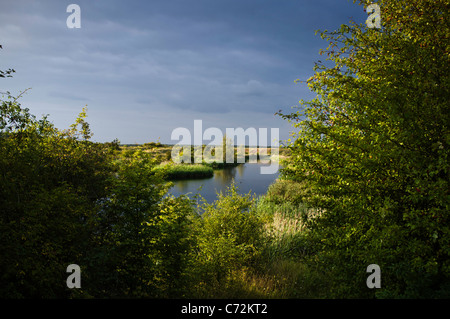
(247,177)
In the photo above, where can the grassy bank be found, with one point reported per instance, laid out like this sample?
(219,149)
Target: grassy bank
(162,152)
(185,171)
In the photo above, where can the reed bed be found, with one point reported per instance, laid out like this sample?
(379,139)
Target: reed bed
(186,171)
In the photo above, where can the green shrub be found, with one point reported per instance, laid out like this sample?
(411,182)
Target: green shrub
(230,239)
(50,186)
(65,200)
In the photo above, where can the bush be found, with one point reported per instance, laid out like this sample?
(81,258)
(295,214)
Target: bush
(50,185)
(230,239)
(143,239)
(65,200)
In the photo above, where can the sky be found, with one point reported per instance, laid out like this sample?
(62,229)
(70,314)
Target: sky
(145,68)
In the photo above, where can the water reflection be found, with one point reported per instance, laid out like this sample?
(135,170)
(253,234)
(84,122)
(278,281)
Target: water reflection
(240,170)
(182,186)
(225,176)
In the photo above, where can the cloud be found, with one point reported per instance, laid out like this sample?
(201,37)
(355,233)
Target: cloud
(68,96)
(251,88)
(143,65)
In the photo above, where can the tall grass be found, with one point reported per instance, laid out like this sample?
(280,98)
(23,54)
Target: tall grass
(185,171)
(283,272)
(285,227)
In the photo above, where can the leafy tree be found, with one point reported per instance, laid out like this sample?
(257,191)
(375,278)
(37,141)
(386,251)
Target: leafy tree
(49,186)
(142,239)
(373,146)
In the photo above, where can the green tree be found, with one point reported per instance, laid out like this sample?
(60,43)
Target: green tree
(373,146)
(142,239)
(49,187)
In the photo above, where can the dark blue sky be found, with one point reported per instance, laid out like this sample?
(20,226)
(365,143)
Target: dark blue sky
(144,68)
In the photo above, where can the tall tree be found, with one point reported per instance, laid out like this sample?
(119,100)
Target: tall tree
(374,147)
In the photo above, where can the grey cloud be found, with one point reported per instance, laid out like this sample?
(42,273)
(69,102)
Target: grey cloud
(224,59)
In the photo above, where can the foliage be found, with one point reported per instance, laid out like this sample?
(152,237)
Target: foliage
(229,240)
(151,145)
(285,190)
(65,200)
(373,147)
(49,184)
(371,156)
(141,237)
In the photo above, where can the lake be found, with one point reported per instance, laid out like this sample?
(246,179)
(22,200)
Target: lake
(247,178)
